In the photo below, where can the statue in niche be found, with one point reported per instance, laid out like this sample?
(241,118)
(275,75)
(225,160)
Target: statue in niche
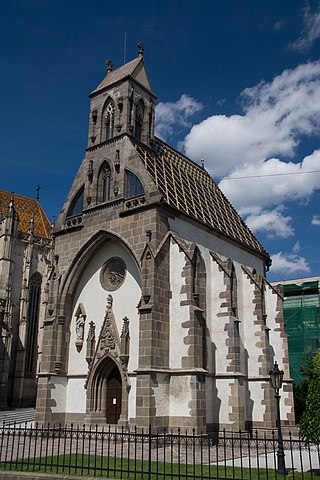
(80,323)
(80,327)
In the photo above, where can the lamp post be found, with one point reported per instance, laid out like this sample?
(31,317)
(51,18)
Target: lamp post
(276,378)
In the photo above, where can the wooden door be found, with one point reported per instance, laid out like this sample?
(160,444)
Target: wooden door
(114,395)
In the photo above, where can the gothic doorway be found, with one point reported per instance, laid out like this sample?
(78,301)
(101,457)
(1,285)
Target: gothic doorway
(114,396)
(106,398)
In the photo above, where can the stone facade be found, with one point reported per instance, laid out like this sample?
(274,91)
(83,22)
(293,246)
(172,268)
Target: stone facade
(158,312)
(25,259)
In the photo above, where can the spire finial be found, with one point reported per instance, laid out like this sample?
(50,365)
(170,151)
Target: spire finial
(109,65)
(11,203)
(141,49)
(31,223)
(202,160)
(38,193)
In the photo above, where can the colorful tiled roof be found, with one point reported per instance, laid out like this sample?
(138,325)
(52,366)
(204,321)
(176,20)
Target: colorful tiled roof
(25,207)
(188,188)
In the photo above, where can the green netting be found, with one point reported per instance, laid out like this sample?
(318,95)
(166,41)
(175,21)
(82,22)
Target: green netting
(302,320)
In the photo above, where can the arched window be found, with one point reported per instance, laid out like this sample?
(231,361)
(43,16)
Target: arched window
(109,119)
(134,186)
(104,183)
(139,119)
(199,300)
(32,323)
(76,206)
(234,292)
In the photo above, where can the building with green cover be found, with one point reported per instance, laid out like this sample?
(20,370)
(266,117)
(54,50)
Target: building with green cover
(302,321)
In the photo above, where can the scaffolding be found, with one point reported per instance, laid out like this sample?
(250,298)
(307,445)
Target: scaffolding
(302,324)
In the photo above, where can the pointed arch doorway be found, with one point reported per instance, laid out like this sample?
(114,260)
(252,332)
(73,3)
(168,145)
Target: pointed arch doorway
(106,393)
(114,396)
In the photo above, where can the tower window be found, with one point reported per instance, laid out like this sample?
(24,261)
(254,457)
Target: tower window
(76,206)
(139,119)
(104,183)
(109,120)
(134,186)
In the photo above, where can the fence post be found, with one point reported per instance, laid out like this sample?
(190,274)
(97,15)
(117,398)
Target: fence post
(149,453)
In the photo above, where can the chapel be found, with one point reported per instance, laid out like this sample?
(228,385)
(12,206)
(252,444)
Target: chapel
(25,258)
(158,312)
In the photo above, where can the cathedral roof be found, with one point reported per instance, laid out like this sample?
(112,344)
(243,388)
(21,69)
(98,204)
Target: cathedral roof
(188,188)
(134,69)
(25,207)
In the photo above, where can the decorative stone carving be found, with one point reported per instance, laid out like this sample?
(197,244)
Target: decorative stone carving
(108,340)
(91,343)
(109,343)
(80,323)
(124,343)
(112,274)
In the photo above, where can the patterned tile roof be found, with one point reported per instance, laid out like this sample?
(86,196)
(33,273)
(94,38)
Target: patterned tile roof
(25,206)
(188,188)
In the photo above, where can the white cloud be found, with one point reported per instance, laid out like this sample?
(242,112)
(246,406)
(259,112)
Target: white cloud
(288,264)
(279,24)
(243,149)
(296,247)
(276,115)
(272,182)
(273,223)
(315,220)
(311,30)
(172,114)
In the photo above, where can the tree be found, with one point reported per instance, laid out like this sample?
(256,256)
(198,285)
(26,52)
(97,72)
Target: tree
(310,420)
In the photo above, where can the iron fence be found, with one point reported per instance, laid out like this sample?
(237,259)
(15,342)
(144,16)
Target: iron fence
(123,453)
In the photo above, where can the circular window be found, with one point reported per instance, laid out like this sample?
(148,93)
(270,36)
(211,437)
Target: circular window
(112,274)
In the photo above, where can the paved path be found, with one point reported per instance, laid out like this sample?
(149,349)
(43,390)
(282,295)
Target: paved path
(303,460)
(18,416)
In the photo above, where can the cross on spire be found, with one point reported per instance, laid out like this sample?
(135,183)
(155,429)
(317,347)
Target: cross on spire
(38,193)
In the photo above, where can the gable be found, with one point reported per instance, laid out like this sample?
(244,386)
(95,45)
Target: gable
(134,69)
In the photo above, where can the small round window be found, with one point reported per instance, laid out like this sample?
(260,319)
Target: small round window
(112,274)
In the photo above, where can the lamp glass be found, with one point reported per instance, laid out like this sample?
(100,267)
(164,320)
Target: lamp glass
(276,377)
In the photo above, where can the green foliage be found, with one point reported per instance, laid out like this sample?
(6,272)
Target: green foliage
(310,420)
(300,394)
(84,465)
(300,391)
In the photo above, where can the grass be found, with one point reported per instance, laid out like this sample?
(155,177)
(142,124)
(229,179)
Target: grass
(85,465)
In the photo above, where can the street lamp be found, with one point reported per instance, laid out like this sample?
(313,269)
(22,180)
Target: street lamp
(276,378)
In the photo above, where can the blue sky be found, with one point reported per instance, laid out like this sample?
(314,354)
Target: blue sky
(238,83)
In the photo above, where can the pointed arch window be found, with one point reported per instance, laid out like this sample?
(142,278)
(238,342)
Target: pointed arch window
(104,183)
(234,292)
(109,119)
(139,119)
(134,186)
(32,323)
(76,206)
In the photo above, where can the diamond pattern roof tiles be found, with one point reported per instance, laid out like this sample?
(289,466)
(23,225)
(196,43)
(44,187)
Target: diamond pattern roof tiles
(188,188)
(25,207)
